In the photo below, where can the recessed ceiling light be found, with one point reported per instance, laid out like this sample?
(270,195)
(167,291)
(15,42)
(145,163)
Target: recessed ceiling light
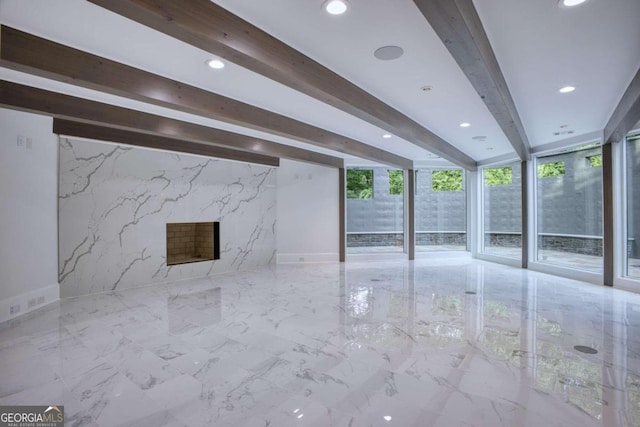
(480,138)
(564,126)
(216,64)
(571,3)
(388,53)
(465,125)
(387,418)
(567,89)
(386,136)
(335,7)
(426,88)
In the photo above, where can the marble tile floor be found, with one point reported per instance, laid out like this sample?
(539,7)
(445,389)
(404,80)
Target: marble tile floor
(447,341)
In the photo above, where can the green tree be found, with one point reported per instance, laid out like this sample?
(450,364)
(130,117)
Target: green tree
(498,176)
(396,182)
(446,180)
(359,183)
(551,169)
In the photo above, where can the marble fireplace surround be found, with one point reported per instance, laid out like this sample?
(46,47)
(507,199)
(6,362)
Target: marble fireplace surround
(115,201)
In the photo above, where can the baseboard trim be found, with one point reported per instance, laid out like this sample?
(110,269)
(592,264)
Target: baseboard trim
(42,296)
(307,258)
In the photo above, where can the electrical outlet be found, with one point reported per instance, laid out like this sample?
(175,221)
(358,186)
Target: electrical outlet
(22,141)
(14,309)
(41,300)
(32,302)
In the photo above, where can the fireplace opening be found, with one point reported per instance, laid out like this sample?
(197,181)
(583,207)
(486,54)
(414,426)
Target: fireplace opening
(192,242)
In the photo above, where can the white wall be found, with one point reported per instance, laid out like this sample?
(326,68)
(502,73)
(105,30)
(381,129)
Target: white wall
(28,212)
(308,222)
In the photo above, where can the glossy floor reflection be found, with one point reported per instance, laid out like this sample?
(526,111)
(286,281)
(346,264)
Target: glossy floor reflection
(439,342)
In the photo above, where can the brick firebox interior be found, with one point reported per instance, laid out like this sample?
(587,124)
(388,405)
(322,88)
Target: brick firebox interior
(191,242)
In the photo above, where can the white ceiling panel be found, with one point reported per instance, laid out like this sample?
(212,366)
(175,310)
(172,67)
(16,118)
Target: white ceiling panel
(542,47)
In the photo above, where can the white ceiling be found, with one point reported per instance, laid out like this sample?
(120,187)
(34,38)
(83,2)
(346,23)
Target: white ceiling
(540,47)
(345,44)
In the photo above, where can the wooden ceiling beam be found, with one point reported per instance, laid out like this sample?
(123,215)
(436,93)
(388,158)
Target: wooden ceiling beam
(626,114)
(458,25)
(138,139)
(60,106)
(28,53)
(208,26)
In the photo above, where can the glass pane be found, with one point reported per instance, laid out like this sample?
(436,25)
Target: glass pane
(569,191)
(375,215)
(503,211)
(633,206)
(359,183)
(446,180)
(440,210)
(396,182)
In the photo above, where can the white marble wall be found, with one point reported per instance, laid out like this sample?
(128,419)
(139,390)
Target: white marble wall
(115,200)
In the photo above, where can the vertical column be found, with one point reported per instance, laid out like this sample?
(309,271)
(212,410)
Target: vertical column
(607,214)
(342,211)
(409,206)
(474,203)
(524,183)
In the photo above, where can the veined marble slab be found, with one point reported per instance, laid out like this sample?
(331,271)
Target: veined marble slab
(115,200)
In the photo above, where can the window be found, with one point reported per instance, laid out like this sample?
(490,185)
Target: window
(547,170)
(498,176)
(446,180)
(359,183)
(569,211)
(374,224)
(396,182)
(502,220)
(440,210)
